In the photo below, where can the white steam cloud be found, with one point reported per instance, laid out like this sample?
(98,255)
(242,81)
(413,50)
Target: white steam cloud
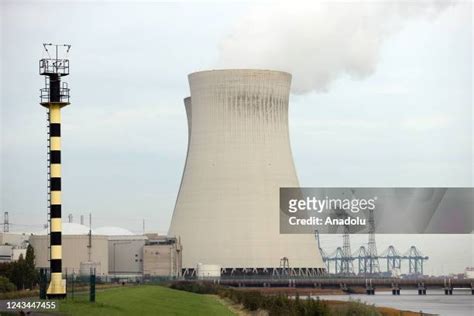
(319,41)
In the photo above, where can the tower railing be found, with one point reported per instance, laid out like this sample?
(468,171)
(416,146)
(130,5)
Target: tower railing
(54,66)
(45,94)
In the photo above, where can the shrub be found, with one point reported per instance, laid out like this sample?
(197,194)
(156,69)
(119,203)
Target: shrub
(195,287)
(6,285)
(355,308)
(252,300)
(279,305)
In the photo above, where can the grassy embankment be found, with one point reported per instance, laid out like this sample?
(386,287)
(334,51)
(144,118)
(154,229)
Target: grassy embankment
(144,300)
(256,303)
(35,292)
(158,300)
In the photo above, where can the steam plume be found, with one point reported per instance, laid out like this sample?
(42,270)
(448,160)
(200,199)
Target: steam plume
(319,41)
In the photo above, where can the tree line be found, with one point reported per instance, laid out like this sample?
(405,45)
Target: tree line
(20,274)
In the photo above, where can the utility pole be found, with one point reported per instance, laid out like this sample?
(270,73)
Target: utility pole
(89,245)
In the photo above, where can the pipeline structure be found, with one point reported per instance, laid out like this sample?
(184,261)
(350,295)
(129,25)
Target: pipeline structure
(54,96)
(448,285)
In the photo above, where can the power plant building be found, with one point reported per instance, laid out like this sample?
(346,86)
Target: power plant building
(238,157)
(12,246)
(112,251)
(126,255)
(162,257)
(75,240)
(15,239)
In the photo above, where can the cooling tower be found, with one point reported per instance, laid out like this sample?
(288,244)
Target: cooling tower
(239,155)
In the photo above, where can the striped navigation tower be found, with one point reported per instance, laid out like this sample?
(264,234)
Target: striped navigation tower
(54,96)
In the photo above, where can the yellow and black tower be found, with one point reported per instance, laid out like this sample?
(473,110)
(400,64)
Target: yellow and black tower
(54,96)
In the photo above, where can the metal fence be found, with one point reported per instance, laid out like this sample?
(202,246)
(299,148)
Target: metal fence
(75,283)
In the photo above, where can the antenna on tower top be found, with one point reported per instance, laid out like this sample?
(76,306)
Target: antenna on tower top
(57,49)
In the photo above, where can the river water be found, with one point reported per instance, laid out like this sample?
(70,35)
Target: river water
(434,302)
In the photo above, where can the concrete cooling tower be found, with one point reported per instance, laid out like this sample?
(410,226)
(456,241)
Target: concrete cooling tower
(239,155)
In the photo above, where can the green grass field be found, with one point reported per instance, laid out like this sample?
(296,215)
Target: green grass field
(144,300)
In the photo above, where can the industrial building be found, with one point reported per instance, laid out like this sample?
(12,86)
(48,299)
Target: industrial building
(10,253)
(238,157)
(14,239)
(112,251)
(76,250)
(125,251)
(12,246)
(162,257)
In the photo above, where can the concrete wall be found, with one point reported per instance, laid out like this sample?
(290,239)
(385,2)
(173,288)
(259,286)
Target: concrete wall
(126,255)
(13,239)
(239,155)
(6,253)
(17,252)
(75,251)
(161,260)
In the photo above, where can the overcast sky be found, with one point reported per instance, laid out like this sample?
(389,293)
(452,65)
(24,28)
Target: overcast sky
(396,111)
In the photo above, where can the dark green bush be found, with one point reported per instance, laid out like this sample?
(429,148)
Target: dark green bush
(21,273)
(355,308)
(195,287)
(279,305)
(6,285)
(252,300)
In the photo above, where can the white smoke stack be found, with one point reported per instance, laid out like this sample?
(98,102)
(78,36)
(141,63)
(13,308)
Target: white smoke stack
(317,41)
